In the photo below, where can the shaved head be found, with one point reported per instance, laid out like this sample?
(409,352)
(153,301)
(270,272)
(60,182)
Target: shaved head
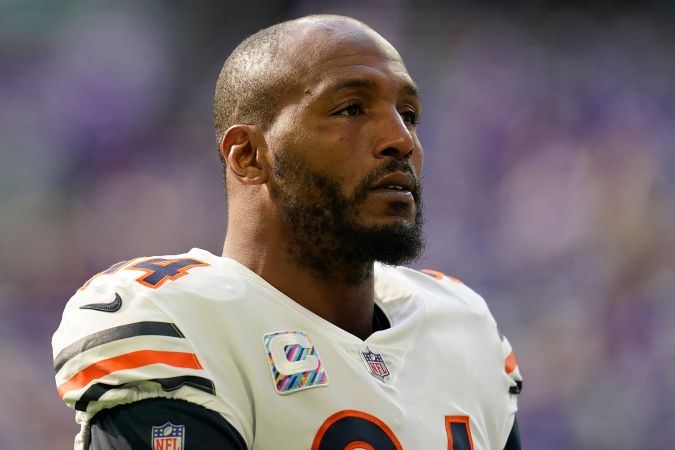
(316,121)
(264,66)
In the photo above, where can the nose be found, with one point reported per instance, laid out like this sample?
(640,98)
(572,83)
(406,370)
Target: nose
(396,139)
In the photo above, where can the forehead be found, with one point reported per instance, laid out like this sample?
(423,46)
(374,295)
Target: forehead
(333,57)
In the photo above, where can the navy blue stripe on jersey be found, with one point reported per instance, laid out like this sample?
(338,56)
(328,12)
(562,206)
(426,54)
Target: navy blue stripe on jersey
(97,390)
(517,389)
(115,334)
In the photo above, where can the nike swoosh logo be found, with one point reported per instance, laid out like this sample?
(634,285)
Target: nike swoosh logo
(113,306)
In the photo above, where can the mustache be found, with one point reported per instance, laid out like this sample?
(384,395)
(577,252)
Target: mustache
(392,166)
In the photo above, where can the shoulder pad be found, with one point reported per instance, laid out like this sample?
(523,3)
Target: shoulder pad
(449,288)
(115,345)
(476,303)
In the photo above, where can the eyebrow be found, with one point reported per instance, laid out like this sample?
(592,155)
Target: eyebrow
(408,88)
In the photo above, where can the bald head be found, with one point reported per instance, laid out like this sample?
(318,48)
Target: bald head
(317,127)
(266,64)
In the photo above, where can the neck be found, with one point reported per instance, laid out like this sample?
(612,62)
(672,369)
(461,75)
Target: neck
(344,299)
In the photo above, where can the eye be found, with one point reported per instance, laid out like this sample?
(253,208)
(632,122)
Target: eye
(353,109)
(410,117)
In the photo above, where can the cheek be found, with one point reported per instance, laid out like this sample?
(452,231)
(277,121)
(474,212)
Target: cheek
(418,157)
(342,139)
(338,157)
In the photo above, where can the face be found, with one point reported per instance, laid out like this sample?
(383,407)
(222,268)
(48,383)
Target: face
(346,158)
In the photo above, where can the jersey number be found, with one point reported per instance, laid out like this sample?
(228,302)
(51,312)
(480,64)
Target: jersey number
(459,433)
(356,430)
(157,270)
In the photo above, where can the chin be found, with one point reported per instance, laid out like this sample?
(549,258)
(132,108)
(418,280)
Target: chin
(397,220)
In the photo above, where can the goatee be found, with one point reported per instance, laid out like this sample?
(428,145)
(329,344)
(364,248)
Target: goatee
(326,236)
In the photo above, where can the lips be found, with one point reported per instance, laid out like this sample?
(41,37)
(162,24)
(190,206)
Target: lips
(398,181)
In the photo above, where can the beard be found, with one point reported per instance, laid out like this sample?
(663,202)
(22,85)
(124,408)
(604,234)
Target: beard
(325,233)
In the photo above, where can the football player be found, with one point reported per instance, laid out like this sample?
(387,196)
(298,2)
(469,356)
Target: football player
(305,333)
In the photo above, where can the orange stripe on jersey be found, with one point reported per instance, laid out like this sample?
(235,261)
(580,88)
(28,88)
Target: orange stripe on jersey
(440,275)
(128,361)
(510,363)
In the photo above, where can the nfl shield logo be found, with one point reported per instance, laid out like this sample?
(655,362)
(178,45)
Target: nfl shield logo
(168,437)
(376,364)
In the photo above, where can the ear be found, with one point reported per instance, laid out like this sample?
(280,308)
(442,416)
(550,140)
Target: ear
(243,148)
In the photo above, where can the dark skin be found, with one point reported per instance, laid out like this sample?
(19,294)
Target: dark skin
(352,108)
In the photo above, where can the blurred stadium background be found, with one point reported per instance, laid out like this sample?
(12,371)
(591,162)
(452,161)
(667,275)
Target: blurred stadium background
(550,183)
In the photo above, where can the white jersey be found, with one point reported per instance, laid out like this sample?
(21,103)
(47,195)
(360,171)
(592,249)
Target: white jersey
(207,330)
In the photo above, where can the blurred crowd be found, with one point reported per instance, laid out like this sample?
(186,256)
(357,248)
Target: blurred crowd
(549,187)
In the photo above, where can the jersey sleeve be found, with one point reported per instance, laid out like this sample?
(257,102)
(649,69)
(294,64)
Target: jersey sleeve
(500,347)
(165,424)
(114,346)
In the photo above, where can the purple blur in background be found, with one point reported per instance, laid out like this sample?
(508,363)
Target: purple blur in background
(550,184)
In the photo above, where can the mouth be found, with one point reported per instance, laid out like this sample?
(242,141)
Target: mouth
(389,195)
(394,187)
(397,184)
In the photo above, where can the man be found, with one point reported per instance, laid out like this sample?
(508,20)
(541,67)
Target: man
(298,337)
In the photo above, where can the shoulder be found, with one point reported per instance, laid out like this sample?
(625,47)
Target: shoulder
(116,344)
(126,292)
(447,298)
(433,287)
(150,273)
